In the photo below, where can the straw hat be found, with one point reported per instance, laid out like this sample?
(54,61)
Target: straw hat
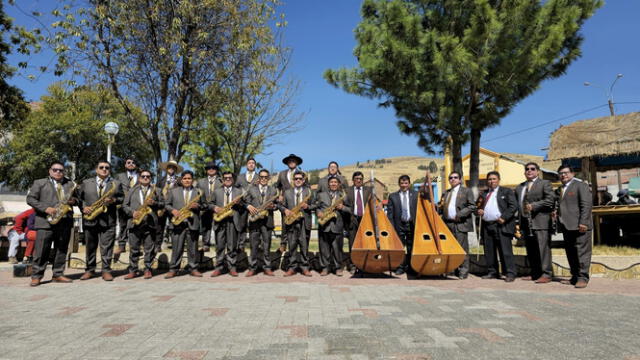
(173,163)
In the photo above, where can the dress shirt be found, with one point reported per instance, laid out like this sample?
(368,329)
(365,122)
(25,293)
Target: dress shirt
(451,209)
(491,209)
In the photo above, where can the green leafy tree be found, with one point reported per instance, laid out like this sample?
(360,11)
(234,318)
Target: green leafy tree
(452,68)
(68,126)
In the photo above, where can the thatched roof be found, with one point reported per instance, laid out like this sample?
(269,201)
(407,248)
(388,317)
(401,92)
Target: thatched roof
(604,136)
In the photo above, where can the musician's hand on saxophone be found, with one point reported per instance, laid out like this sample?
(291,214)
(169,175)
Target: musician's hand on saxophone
(109,201)
(304,205)
(175,212)
(217,209)
(194,205)
(149,202)
(136,213)
(86,210)
(287,212)
(271,206)
(339,206)
(51,211)
(320,214)
(252,209)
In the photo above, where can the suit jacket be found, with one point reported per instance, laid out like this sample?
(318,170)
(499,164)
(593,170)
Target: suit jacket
(203,184)
(123,178)
(242,182)
(43,195)
(323,184)
(465,206)
(394,208)
(541,198)
(289,203)
(282,183)
(574,207)
(350,203)
(253,197)
(132,203)
(336,225)
(175,200)
(88,194)
(508,206)
(238,215)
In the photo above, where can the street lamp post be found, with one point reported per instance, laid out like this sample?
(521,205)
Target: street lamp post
(111,129)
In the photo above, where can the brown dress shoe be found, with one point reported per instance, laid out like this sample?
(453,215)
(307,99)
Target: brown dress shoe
(543,280)
(130,276)
(323,273)
(250,273)
(147,274)
(289,272)
(87,275)
(216,273)
(106,276)
(170,274)
(118,250)
(306,273)
(195,273)
(35,281)
(581,284)
(61,279)
(269,273)
(233,273)
(282,248)
(339,272)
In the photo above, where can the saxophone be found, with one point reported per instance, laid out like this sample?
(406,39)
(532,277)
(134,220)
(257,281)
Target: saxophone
(262,210)
(62,208)
(100,205)
(185,212)
(227,210)
(330,212)
(144,209)
(296,212)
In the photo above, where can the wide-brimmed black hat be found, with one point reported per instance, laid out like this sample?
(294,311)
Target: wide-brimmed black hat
(211,165)
(292,157)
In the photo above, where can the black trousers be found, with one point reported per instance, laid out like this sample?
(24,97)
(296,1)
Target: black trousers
(539,253)
(463,240)
(58,235)
(578,248)
(206,223)
(226,245)
(405,232)
(260,239)
(124,232)
(181,237)
(331,250)
(103,237)
(160,231)
(496,241)
(298,244)
(141,236)
(353,230)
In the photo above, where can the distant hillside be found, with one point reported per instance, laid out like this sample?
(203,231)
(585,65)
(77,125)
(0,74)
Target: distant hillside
(388,170)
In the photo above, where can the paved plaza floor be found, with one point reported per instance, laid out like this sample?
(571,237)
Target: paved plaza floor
(317,318)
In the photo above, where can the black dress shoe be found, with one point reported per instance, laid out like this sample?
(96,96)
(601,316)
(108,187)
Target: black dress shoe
(399,271)
(490,276)
(463,276)
(509,278)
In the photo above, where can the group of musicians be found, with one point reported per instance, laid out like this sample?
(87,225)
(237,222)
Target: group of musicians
(235,209)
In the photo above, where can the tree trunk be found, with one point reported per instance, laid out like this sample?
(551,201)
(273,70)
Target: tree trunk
(474,161)
(456,156)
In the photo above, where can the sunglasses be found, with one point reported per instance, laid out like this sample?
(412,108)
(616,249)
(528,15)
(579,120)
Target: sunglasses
(531,169)
(452,177)
(131,162)
(145,176)
(298,178)
(104,167)
(564,172)
(57,170)
(264,177)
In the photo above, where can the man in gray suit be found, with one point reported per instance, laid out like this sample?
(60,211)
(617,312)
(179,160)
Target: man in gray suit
(227,229)
(574,218)
(44,196)
(535,203)
(100,231)
(284,182)
(260,196)
(354,204)
(297,234)
(333,171)
(144,233)
(208,185)
(332,232)
(244,181)
(128,179)
(188,231)
(401,211)
(457,208)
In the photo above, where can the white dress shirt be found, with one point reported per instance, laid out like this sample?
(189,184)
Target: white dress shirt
(491,209)
(451,210)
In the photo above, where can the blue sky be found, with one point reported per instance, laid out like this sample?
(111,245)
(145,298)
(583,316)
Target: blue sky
(347,128)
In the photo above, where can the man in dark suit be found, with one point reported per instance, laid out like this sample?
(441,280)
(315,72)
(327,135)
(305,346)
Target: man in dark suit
(244,181)
(144,233)
(574,218)
(457,208)
(128,179)
(297,234)
(44,196)
(354,204)
(208,186)
(401,211)
(261,196)
(165,184)
(333,171)
(100,231)
(227,229)
(498,212)
(331,234)
(535,203)
(187,232)
(284,182)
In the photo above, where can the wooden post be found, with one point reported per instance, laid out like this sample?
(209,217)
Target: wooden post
(589,170)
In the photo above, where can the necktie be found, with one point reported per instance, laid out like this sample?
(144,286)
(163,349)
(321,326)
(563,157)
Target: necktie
(333,198)
(210,185)
(263,193)
(59,191)
(187,196)
(298,197)
(359,203)
(131,182)
(227,198)
(405,206)
(250,178)
(488,196)
(100,188)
